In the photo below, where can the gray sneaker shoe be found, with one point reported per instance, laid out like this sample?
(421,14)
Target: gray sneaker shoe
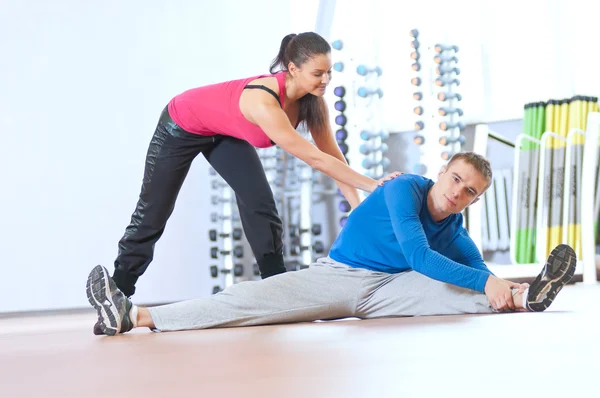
(557,272)
(111,304)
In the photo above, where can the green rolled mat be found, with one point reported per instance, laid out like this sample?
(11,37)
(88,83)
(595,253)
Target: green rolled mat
(523,188)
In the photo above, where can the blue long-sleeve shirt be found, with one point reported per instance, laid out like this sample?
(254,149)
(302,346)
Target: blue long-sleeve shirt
(392,231)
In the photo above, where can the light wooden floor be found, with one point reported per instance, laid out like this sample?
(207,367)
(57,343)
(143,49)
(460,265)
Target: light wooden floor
(550,354)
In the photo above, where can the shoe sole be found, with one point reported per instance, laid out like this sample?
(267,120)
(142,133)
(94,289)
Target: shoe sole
(557,272)
(98,294)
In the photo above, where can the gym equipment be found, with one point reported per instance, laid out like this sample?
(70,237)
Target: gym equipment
(415,55)
(294,231)
(344,206)
(216,289)
(340,120)
(340,106)
(418,110)
(367,149)
(418,96)
(366,135)
(214,217)
(439,59)
(236,234)
(446,140)
(414,44)
(238,270)
(363,70)
(317,247)
(448,111)
(414,33)
(445,81)
(441,70)
(419,125)
(337,45)
(444,126)
(338,66)
(343,147)
(442,96)
(415,81)
(339,91)
(419,139)
(341,134)
(365,92)
(446,155)
(343,221)
(441,47)
(368,163)
(416,66)
(238,251)
(215,200)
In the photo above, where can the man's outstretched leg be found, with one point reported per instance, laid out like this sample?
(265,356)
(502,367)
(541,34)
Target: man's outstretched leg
(414,294)
(326,290)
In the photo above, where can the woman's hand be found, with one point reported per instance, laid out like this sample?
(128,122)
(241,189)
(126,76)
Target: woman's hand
(388,177)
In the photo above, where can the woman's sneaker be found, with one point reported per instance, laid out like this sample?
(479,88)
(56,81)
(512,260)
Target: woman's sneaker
(557,272)
(111,304)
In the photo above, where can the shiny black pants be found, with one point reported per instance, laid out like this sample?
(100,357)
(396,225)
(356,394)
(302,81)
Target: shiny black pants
(168,161)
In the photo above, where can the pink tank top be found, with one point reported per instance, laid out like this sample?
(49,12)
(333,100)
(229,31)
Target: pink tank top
(215,109)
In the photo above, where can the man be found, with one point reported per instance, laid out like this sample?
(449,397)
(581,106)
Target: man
(403,252)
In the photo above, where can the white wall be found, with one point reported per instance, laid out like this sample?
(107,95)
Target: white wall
(83,84)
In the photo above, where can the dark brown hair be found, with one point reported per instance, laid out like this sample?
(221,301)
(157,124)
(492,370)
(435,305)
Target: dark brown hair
(479,163)
(299,48)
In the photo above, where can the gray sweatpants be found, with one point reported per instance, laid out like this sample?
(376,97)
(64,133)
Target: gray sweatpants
(324,291)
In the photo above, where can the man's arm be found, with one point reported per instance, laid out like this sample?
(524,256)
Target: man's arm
(403,206)
(468,252)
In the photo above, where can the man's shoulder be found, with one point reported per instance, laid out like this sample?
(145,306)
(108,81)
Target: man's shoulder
(415,182)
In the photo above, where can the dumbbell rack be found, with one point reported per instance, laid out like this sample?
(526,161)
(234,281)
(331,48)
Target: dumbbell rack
(226,218)
(437,113)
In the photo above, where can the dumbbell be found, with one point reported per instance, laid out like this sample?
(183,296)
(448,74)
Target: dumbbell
(344,206)
(444,126)
(255,269)
(236,234)
(419,125)
(343,221)
(442,96)
(212,171)
(343,147)
(216,289)
(366,149)
(415,44)
(215,200)
(416,66)
(218,184)
(445,81)
(418,96)
(214,217)
(338,66)
(238,251)
(337,45)
(442,47)
(446,155)
(315,229)
(419,168)
(415,55)
(341,134)
(341,120)
(365,92)
(449,111)
(363,70)
(415,81)
(441,70)
(419,140)
(418,110)
(238,270)
(317,247)
(340,106)
(439,59)
(414,33)
(368,163)
(367,135)
(445,140)
(339,91)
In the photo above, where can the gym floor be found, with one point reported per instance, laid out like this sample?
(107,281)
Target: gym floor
(550,354)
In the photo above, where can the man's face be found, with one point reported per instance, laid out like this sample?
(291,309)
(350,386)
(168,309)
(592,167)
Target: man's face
(459,185)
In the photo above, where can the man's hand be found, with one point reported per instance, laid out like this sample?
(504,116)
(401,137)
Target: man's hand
(499,294)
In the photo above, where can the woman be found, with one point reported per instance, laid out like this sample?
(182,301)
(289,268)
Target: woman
(224,122)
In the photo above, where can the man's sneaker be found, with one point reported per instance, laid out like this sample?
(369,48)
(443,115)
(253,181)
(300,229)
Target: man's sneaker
(557,272)
(97,328)
(111,304)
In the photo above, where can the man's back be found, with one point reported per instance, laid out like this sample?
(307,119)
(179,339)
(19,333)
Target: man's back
(393,231)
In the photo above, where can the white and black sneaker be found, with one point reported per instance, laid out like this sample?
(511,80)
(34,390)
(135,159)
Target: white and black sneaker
(111,304)
(557,272)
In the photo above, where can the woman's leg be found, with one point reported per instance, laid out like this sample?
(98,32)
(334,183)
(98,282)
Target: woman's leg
(168,161)
(239,165)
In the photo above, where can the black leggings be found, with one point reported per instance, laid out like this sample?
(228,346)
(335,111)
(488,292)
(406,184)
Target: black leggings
(168,161)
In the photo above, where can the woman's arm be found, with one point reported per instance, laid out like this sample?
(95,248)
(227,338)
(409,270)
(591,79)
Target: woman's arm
(276,125)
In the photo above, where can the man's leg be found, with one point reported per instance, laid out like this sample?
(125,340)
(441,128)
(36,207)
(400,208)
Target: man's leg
(239,165)
(413,294)
(326,290)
